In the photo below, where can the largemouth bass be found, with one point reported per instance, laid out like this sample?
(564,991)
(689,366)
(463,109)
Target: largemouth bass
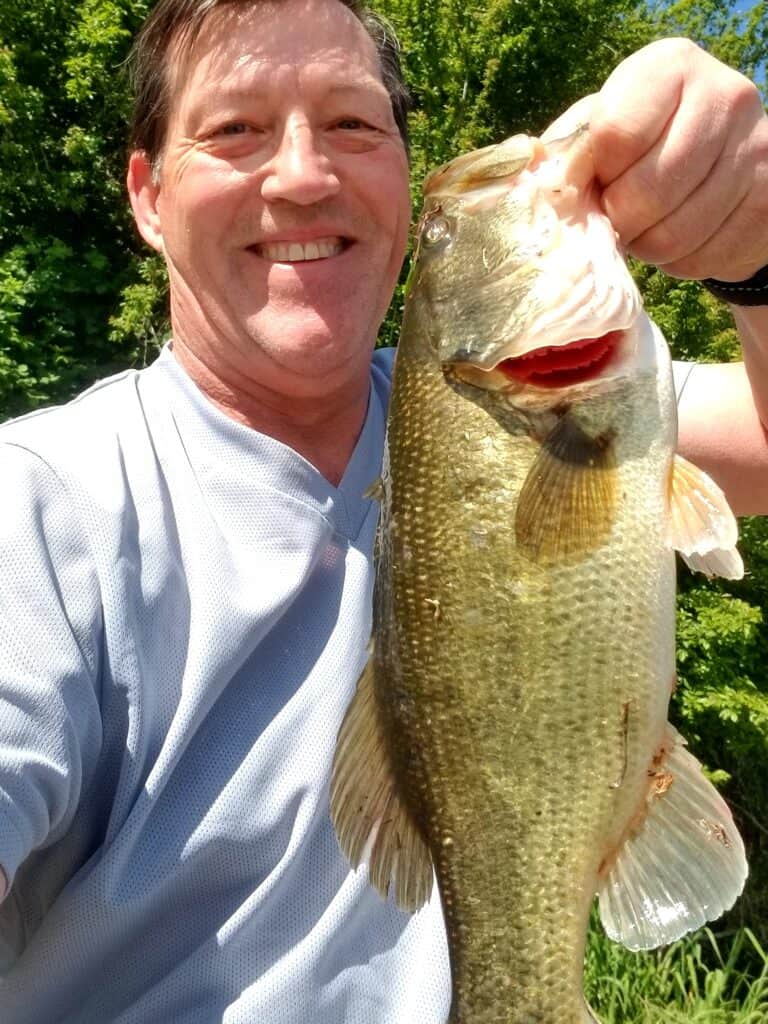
(510,729)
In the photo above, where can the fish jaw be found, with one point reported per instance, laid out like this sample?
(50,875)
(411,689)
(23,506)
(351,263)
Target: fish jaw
(522,258)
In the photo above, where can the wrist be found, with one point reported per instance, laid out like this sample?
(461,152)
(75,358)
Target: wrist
(752,292)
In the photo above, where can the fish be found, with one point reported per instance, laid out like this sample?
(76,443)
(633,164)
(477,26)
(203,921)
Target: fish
(509,736)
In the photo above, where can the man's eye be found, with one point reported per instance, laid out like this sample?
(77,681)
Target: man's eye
(235,128)
(351,124)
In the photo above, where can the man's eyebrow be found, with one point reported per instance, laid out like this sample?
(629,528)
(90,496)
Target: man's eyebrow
(357,86)
(224,95)
(227,94)
(251,91)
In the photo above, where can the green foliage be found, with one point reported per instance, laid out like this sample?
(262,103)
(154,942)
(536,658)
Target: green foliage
(698,326)
(68,250)
(142,311)
(42,272)
(480,71)
(699,980)
(721,704)
(733,35)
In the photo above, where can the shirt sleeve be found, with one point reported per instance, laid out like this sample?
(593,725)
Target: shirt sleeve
(681,372)
(50,626)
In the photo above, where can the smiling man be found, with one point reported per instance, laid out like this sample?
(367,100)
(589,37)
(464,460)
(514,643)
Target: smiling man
(187,566)
(280,201)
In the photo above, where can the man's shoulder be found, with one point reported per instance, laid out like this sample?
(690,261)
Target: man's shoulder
(101,402)
(75,432)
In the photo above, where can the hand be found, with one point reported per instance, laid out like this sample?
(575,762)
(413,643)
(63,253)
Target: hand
(681,147)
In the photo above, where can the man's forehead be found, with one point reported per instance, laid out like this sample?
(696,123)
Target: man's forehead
(236,41)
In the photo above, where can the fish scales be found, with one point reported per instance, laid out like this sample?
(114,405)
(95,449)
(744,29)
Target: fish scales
(513,783)
(510,729)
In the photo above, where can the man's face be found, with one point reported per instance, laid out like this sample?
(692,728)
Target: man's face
(282,207)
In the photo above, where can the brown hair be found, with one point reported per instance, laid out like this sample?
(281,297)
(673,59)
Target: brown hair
(178,23)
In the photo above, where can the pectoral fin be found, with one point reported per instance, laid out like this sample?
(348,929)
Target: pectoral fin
(683,866)
(702,526)
(371,821)
(568,500)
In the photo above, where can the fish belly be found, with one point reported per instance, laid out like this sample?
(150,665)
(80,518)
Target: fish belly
(524,702)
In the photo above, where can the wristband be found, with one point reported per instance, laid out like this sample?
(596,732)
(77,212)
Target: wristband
(752,292)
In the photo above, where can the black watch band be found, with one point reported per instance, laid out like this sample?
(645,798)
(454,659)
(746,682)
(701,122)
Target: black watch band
(752,292)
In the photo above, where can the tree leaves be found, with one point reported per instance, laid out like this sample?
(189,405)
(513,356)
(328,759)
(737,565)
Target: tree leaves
(67,245)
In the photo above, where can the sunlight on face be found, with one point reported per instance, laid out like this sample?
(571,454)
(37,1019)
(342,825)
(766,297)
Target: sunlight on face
(283,193)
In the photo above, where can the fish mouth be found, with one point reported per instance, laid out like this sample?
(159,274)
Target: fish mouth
(561,366)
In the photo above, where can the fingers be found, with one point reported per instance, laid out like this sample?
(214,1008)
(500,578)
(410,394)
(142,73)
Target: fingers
(681,146)
(721,228)
(649,168)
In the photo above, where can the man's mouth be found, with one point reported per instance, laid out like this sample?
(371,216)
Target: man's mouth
(300,252)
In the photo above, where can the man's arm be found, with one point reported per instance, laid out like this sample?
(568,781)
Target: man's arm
(50,648)
(752,322)
(721,432)
(723,417)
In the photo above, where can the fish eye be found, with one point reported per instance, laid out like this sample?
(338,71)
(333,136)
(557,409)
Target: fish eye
(435,230)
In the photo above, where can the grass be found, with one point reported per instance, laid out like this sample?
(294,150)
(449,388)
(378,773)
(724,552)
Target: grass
(702,979)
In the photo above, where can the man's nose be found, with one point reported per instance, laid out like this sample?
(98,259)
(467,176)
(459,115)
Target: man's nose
(299,172)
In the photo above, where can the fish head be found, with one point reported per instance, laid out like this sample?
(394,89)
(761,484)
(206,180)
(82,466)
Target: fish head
(521,273)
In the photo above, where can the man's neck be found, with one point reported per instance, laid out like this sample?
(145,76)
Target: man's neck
(323,431)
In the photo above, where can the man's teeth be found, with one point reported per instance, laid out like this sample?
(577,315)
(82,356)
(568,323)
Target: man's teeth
(295,252)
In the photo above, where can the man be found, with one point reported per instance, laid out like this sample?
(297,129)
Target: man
(188,576)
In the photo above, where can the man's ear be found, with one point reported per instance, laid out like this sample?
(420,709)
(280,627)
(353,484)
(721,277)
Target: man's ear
(143,193)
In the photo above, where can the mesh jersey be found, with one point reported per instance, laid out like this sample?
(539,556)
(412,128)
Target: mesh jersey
(184,611)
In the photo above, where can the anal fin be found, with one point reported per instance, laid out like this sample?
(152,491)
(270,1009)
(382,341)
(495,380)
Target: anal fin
(685,864)
(702,526)
(372,822)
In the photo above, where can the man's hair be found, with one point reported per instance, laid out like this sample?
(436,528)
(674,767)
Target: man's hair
(174,25)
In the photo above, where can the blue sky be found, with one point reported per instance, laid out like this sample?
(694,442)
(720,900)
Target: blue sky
(762,73)
(747,5)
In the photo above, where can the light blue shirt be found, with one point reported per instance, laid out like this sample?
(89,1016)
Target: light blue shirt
(184,611)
